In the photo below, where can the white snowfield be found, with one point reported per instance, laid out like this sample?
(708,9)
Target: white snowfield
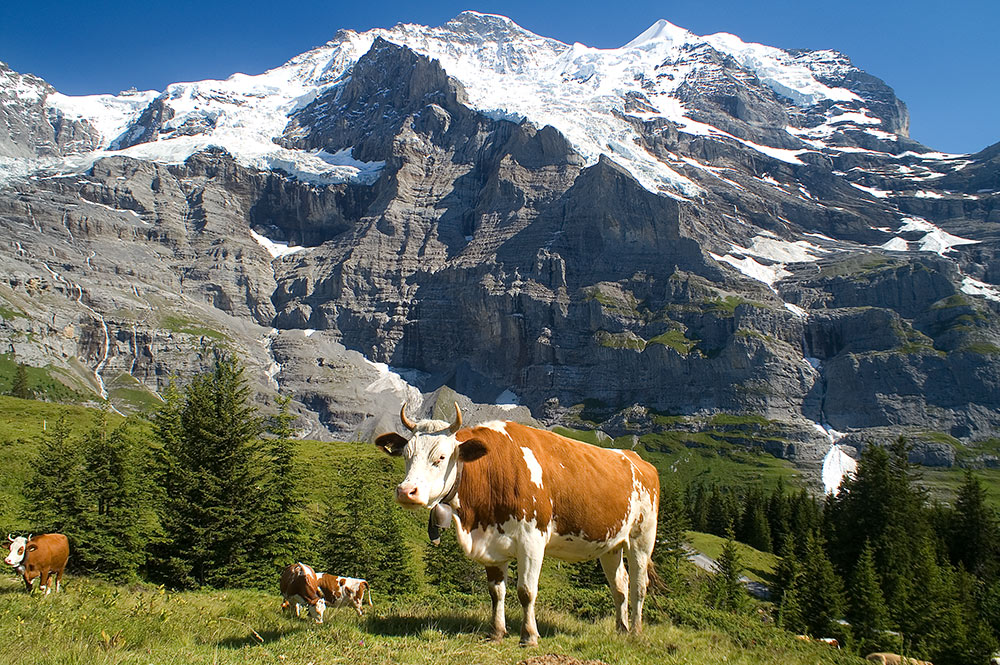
(592,96)
(507,71)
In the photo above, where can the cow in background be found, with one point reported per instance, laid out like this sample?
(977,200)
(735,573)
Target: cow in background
(39,556)
(300,588)
(519,493)
(340,591)
(885,658)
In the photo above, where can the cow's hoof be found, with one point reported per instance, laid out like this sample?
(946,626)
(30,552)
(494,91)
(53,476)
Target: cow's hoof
(531,641)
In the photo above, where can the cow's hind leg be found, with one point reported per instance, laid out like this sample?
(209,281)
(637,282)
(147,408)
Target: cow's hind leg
(639,554)
(529,566)
(617,574)
(59,574)
(497,578)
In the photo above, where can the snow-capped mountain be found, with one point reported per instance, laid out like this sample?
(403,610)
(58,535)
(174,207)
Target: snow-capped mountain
(689,223)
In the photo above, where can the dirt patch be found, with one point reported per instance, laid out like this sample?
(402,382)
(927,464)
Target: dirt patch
(557,659)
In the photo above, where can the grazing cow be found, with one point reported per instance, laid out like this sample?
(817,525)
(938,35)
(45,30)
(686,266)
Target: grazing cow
(340,591)
(884,658)
(519,493)
(39,556)
(300,587)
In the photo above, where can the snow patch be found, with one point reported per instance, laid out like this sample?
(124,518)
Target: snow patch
(977,288)
(275,249)
(836,466)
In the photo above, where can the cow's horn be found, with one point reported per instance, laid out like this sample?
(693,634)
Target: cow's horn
(457,424)
(407,423)
(10,537)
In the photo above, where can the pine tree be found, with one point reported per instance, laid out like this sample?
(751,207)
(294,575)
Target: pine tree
(721,513)
(362,530)
(20,388)
(973,533)
(786,590)
(754,529)
(282,525)
(118,519)
(726,590)
(447,568)
(697,507)
(671,535)
(53,491)
(867,612)
(778,517)
(822,595)
(213,475)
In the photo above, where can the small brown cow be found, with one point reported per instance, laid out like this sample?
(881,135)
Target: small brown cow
(340,591)
(300,587)
(39,556)
(884,658)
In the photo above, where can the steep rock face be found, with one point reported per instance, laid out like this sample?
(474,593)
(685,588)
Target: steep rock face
(31,129)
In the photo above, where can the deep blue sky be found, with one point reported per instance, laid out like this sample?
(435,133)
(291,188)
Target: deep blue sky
(942,58)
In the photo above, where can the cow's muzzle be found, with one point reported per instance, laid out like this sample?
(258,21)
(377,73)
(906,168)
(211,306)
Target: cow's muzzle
(408,496)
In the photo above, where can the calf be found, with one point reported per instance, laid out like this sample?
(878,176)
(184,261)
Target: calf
(885,658)
(340,591)
(39,556)
(300,587)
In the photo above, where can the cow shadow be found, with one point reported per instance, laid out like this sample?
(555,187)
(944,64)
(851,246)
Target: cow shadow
(255,638)
(447,624)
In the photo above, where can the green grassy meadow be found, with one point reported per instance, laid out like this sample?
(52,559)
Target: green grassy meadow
(96,622)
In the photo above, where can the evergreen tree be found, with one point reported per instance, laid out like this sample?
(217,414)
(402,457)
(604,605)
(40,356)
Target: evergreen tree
(20,388)
(671,534)
(214,475)
(698,507)
(973,533)
(362,531)
(754,529)
(786,590)
(778,517)
(726,591)
(867,612)
(282,524)
(822,595)
(448,569)
(55,501)
(721,513)
(118,519)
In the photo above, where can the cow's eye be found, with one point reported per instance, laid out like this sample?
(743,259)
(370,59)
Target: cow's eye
(438,461)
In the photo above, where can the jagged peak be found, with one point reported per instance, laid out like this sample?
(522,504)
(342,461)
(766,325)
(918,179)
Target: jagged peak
(661,31)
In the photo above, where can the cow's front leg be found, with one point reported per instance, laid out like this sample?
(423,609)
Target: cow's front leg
(43,582)
(29,582)
(529,566)
(497,578)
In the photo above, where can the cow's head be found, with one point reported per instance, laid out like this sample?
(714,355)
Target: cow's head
(432,455)
(18,546)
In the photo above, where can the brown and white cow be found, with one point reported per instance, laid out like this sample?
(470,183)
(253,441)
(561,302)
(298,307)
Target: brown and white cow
(519,493)
(39,556)
(886,658)
(300,587)
(340,591)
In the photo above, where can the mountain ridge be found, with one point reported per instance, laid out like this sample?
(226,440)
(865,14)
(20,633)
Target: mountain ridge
(681,236)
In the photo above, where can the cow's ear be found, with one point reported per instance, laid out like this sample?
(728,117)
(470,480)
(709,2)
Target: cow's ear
(32,547)
(471,450)
(391,443)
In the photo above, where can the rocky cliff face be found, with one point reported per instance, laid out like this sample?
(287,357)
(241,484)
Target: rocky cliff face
(777,249)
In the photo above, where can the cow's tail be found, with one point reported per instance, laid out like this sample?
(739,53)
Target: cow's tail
(656,582)
(368,588)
